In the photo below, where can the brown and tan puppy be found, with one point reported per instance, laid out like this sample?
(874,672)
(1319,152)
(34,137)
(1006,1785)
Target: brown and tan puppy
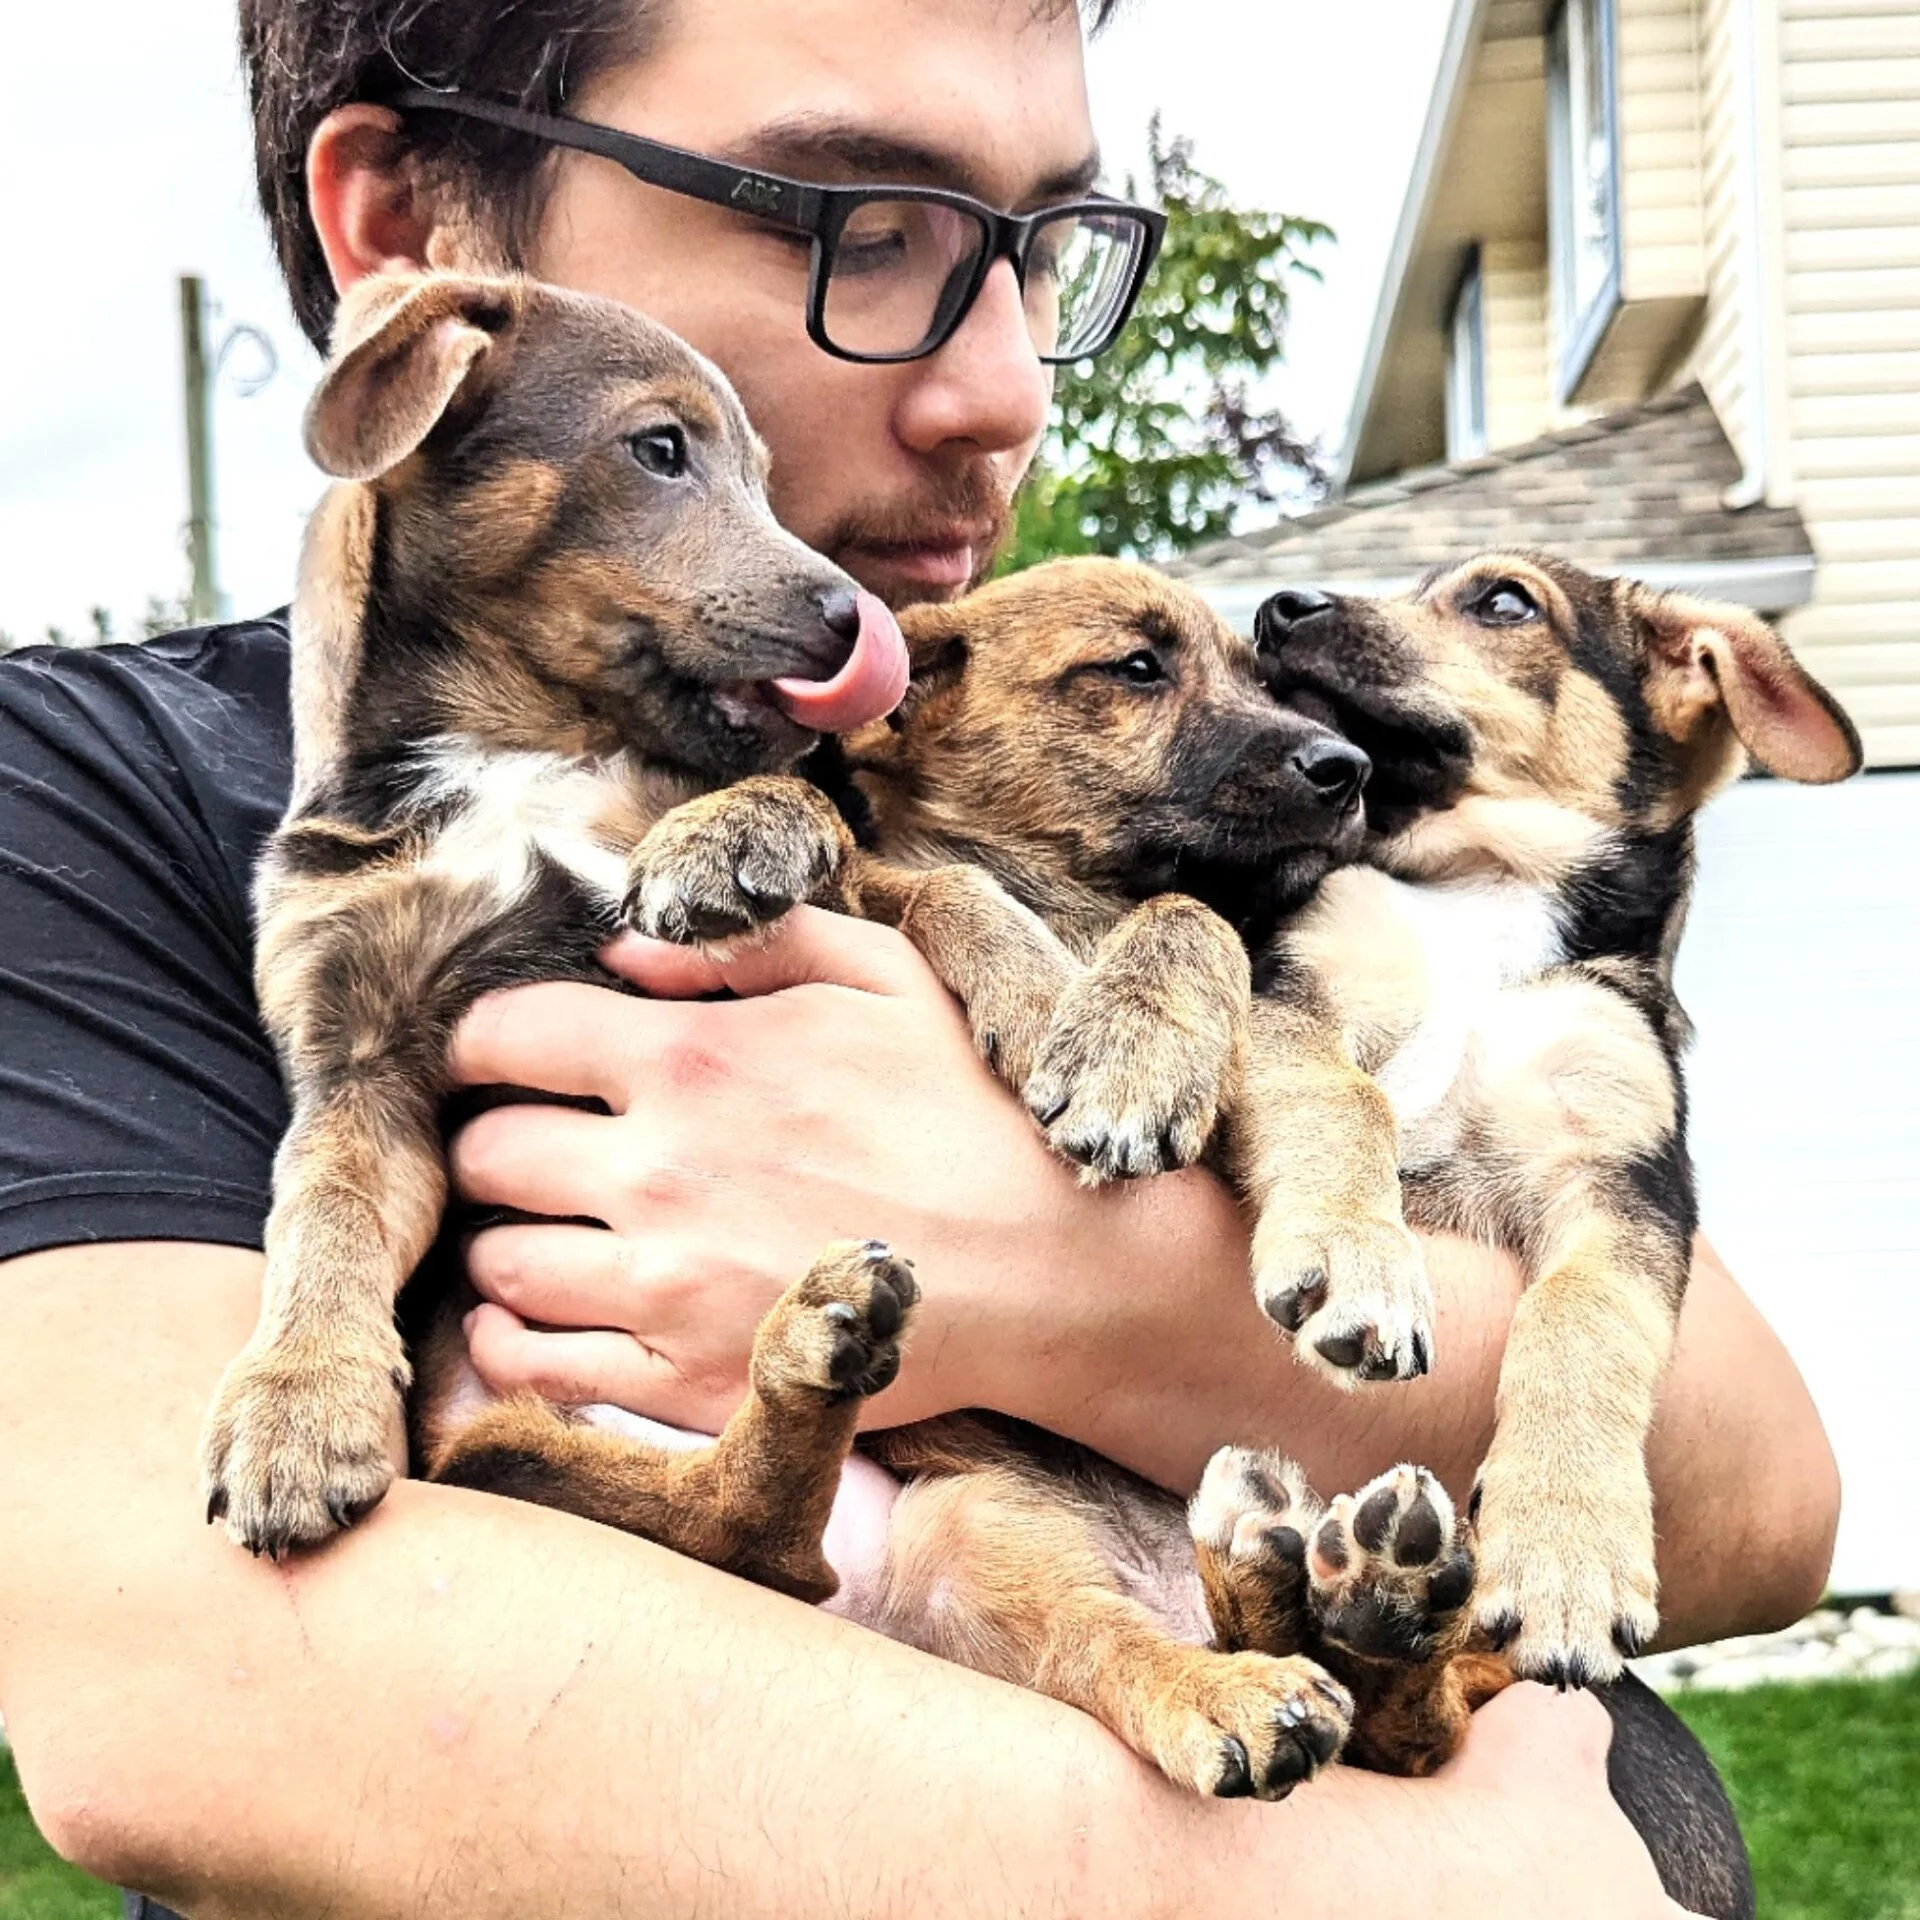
(1502,966)
(546,602)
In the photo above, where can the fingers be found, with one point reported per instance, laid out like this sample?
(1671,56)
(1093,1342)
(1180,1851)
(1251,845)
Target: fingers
(560,1038)
(571,1369)
(807,947)
(565,1277)
(1531,1732)
(546,1160)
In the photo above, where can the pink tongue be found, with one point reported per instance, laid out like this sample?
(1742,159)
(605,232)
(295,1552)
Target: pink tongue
(869,685)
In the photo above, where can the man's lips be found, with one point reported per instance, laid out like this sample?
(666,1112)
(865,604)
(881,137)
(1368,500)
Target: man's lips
(944,557)
(869,685)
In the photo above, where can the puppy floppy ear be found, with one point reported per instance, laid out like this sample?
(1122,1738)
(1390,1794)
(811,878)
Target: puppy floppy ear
(939,659)
(1704,657)
(403,347)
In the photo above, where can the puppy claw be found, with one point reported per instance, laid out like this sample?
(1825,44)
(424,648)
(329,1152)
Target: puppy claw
(1567,1585)
(1242,1725)
(296,1448)
(1121,1087)
(838,1330)
(1391,1568)
(731,862)
(1353,1293)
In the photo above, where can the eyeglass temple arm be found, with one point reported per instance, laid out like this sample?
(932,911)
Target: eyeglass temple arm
(767,196)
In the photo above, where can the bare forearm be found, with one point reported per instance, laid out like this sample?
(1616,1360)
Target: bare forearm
(1744,1480)
(471,1706)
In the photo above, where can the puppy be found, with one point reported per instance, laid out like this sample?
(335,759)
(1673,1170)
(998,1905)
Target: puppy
(546,603)
(1502,966)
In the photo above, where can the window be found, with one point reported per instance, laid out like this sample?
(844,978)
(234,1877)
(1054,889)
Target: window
(1467,367)
(1583,130)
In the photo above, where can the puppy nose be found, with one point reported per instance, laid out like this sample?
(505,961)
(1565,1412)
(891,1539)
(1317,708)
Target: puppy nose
(1280,613)
(1335,771)
(840,614)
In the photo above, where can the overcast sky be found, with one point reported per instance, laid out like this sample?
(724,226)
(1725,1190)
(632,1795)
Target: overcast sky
(116,184)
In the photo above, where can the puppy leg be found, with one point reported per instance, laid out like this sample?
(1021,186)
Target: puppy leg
(1577,1115)
(996,957)
(723,864)
(1314,1148)
(756,1502)
(1251,1522)
(1146,1046)
(999,1572)
(1564,1509)
(304,1430)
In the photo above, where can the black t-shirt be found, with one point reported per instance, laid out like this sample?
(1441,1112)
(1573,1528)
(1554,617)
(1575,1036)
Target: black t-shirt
(139,1095)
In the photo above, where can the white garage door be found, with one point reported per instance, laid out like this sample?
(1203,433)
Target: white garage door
(1801,968)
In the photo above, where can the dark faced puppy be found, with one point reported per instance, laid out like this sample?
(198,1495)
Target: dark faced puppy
(546,602)
(1094,735)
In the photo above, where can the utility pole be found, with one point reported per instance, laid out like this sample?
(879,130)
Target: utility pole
(201,364)
(204,600)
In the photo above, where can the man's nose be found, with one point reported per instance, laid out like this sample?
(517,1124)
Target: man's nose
(987,385)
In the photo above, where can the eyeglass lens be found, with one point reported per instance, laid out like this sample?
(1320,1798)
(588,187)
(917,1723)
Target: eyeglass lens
(902,268)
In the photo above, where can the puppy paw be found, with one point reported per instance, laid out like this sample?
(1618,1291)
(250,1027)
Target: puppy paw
(1390,1568)
(1352,1292)
(1243,1725)
(838,1330)
(295,1450)
(1251,1521)
(1567,1587)
(1123,1090)
(730,862)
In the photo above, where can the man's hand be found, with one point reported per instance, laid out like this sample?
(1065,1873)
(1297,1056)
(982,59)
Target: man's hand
(841,1098)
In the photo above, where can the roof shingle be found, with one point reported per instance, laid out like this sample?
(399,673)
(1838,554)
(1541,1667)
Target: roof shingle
(1642,487)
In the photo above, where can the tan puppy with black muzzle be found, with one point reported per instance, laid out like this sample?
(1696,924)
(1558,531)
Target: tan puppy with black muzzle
(1502,966)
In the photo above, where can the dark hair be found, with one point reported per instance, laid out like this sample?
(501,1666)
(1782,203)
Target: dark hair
(305,58)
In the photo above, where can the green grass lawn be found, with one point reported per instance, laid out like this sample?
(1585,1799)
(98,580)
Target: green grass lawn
(1827,1780)
(35,1883)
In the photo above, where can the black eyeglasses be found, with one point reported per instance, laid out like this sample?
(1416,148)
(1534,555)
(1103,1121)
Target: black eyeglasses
(895,270)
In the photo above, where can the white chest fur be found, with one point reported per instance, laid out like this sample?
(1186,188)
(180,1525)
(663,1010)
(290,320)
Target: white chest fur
(1451,949)
(512,809)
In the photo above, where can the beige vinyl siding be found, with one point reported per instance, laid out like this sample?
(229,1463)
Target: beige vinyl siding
(1850,257)
(1513,280)
(1663,216)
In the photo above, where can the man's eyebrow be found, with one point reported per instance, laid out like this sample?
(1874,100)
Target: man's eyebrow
(807,146)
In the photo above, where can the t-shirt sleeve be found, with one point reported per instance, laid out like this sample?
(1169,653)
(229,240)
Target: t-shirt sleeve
(139,1095)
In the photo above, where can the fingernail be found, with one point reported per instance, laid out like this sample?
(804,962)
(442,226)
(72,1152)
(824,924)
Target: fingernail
(467,1320)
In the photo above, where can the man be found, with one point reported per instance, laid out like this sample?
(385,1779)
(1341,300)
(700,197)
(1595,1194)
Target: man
(469,1706)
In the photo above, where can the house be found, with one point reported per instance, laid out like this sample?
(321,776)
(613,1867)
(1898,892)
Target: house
(1654,304)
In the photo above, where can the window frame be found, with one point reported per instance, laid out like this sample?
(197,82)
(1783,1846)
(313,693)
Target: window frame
(1468,437)
(1580,333)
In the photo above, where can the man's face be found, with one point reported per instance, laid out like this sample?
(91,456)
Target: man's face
(902,474)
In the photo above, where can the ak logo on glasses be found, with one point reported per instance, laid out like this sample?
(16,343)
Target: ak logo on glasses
(894,270)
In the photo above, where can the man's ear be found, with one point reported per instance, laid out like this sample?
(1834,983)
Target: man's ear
(1705,656)
(404,345)
(939,656)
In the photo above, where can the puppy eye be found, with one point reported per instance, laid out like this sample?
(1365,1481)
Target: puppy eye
(1505,604)
(661,451)
(1140,669)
